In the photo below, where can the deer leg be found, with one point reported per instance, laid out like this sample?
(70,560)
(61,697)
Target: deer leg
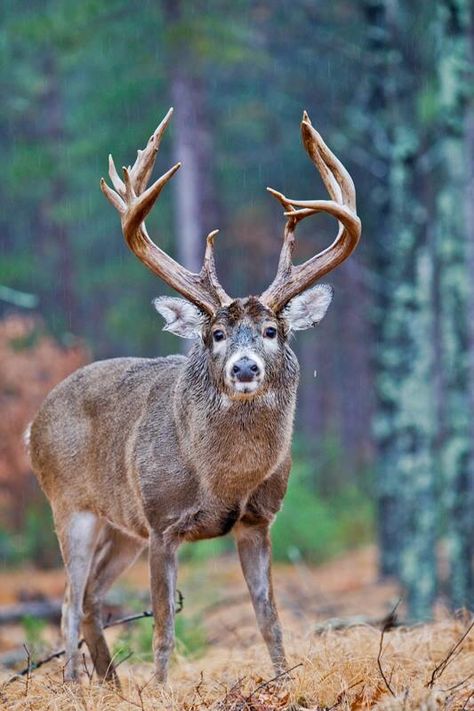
(163,595)
(77,535)
(64,609)
(254,547)
(114,553)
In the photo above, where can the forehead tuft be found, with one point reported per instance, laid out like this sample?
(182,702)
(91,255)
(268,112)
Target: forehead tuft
(240,309)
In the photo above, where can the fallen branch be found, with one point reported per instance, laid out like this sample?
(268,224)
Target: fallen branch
(390,622)
(45,609)
(441,667)
(33,666)
(343,695)
(275,678)
(464,707)
(342,623)
(379,663)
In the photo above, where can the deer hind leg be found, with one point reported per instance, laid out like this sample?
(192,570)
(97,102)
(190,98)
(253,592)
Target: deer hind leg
(77,533)
(114,553)
(254,547)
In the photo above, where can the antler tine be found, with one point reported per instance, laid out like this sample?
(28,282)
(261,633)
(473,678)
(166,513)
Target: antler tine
(209,269)
(142,207)
(117,182)
(145,160)
(332,186)
(336,177)
(291,280)
(287,249)
(113,197)
(134,200)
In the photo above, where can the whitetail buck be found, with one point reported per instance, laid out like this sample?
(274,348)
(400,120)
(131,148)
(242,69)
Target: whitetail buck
(133,451)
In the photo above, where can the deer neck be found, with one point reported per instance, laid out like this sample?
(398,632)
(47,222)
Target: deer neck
(233,445)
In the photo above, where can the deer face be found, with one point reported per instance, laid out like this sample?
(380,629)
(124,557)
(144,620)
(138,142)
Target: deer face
(246,341)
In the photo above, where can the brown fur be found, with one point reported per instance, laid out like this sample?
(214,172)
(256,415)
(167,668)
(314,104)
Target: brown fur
(179,449)
(156,449)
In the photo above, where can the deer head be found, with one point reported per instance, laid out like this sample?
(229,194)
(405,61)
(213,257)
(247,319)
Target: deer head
(243,338)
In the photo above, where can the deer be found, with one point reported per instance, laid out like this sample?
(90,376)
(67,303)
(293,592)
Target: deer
(137,452)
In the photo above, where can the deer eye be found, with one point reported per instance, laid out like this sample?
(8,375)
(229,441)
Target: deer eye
(218,335)
(270,332)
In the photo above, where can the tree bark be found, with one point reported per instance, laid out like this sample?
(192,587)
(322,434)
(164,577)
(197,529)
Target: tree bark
(404,423)
(469,216)
(452,239)
(53,225)
(195,200)
(379,132)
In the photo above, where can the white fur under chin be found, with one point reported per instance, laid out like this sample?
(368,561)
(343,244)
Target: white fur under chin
(265,397)
(246,389)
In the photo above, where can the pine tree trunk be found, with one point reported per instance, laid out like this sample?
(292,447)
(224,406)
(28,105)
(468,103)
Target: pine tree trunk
(52,223)
(379,134)
(469,217)
(456,452)
(404,423)
(195,203)
(187,138)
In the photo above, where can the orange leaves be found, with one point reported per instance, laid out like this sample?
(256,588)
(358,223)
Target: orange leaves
(31,363)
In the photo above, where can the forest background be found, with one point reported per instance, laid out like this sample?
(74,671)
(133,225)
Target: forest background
(384,433)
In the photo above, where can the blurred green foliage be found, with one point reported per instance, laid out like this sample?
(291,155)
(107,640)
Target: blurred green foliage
(82,80)
(33,629)
(137,639)
(36,542)
(315,527)
(389,85)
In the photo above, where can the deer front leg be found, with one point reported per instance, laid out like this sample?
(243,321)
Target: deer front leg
(163,594)
(254,547)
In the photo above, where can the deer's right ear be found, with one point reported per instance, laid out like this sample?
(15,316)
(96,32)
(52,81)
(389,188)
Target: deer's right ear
(181,316)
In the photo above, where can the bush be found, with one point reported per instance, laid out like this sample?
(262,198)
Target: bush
(137,639)
(315,527)
(37,543)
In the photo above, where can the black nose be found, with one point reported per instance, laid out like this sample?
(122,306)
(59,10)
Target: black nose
(245,370)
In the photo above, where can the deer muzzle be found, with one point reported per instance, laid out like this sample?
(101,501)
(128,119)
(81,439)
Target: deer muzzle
(245,372)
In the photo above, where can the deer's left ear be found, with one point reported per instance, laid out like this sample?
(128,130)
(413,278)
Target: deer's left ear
(309,308)
(181,316)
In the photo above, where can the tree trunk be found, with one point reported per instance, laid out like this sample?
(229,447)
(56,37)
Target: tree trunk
(378,133)
(404,424)
(452,240)
(469,217)
(195,203)
(186,94)
(52,221)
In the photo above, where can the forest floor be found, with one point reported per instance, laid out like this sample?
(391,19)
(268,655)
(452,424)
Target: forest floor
(221,663)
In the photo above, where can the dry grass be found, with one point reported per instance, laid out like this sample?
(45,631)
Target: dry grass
(338,669)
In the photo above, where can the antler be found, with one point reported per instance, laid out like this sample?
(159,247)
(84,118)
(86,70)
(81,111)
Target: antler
(134,200)
(291,280)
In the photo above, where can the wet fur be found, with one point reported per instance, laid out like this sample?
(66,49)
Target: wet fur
(157,450)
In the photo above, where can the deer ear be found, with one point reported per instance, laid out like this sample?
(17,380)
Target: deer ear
(309,308)
(181,316)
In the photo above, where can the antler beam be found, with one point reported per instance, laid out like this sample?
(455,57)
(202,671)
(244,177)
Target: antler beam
(133,200)
(291,280)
